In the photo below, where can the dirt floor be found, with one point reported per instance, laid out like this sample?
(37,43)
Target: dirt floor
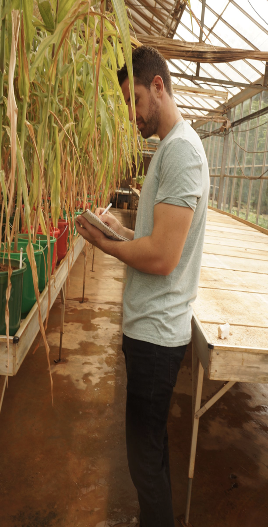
(65,464)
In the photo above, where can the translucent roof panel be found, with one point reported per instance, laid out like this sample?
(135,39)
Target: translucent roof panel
(241,24)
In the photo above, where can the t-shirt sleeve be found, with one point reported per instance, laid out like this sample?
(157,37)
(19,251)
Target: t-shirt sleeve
(180,180)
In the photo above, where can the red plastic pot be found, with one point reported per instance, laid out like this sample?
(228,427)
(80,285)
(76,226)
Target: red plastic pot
(62,241)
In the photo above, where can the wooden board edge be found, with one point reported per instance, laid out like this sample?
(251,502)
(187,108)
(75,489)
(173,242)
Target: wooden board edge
(255,371)
(201,344)
(246,222)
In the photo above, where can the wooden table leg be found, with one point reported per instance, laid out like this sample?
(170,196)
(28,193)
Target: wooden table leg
(93,257)
(62,296)
(195,365)
(85,269)
(3,384)
(198,394)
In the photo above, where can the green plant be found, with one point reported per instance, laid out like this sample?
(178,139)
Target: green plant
(65,131)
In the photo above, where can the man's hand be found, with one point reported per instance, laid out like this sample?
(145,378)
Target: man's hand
(90,233)
(112,222)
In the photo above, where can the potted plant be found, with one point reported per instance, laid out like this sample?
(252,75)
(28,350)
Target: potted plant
(28,291)
(11,267)
(42,242)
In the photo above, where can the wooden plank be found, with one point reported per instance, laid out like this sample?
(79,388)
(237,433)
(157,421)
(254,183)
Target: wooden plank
(254,254)
(239,366)
(258,238)
(3,384)
(261,246)
(29,327)
(237,219)
(240,336)
(200,343)
(233,307)
(233,280)
(234,263)
(223,231)
(223,228)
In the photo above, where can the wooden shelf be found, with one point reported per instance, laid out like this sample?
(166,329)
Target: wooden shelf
(29,328)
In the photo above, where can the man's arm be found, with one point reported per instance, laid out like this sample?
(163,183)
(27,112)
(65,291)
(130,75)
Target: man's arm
(159,253)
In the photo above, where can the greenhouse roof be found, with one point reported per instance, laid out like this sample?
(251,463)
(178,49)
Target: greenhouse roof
(215,31)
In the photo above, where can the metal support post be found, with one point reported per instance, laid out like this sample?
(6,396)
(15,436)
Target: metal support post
(265,78)
(62,296)
(93,257)
(85,269)
(223,165)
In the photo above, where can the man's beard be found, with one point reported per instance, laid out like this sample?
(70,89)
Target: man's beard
(150,126)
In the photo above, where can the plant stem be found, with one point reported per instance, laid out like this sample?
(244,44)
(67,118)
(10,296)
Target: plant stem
(2,69)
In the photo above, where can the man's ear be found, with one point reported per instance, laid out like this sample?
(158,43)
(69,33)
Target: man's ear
(158,85)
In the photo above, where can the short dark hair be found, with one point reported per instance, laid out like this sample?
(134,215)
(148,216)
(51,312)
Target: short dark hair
(147,63)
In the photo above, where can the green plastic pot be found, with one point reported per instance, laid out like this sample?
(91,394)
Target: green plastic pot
(43,277)
(15,299)
(28,293)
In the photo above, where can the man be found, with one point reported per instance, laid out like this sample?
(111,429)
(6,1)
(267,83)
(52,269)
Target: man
(164,259)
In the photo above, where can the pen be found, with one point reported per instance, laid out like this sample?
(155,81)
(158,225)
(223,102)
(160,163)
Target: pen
(107,209)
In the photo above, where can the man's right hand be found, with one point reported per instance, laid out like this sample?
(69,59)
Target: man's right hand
(112,222)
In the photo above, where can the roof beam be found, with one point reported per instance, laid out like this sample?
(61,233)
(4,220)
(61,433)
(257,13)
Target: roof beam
(238,122)
(228,46)
(217,81)
(201,32)
(149,8)
(198,90)
(147,19)
(214,118)
(175,18)
(140,25)
(201,109)
(236,100)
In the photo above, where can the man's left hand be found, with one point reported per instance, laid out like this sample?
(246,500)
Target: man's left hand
(90,233)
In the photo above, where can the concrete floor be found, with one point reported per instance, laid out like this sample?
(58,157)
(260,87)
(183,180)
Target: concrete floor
(65,465)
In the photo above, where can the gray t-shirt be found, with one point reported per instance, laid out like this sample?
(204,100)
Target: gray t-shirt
(157,308)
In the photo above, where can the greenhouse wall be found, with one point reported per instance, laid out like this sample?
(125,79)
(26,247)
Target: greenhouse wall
(245,192)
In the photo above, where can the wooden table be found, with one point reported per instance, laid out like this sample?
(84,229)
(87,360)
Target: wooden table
(11,360)
(233,289)
(120,192)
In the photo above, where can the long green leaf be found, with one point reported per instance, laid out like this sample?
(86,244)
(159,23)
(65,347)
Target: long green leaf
(46,14)
(28,25)
(64,8)
(123,25)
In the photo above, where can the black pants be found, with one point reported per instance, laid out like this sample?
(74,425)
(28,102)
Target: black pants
(151,375)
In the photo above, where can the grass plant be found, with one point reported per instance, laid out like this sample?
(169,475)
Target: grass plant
(65,136)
